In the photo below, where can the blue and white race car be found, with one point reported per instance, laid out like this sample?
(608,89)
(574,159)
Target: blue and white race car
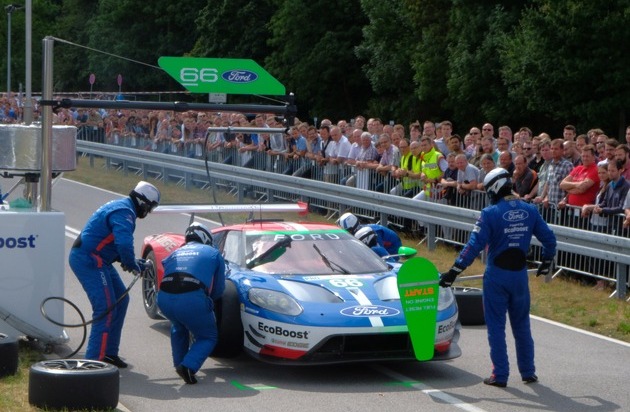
(306,293)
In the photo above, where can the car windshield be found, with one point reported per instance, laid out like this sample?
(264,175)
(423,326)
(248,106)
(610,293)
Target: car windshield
(310,253)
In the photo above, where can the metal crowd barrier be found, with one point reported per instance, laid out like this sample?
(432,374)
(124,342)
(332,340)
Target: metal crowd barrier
(601,254)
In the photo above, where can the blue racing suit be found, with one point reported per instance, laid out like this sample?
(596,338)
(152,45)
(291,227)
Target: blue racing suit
(106,238)
(387,238)
(507,228)
(192,311)
(381,251)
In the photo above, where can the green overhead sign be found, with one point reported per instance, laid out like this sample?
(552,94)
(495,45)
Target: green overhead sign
(231,76)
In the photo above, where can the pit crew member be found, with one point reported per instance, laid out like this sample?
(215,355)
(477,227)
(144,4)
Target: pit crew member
(386,237)
(106,238)
(506,227)
(194,278)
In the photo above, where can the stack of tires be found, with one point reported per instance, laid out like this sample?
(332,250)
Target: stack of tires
(470,305)
(8,355)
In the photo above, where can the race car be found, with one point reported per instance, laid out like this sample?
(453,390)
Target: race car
(306,293)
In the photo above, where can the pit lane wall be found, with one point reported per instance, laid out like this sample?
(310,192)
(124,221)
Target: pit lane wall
(334,199)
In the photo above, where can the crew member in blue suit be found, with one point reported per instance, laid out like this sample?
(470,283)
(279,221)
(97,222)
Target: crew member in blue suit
(368,236)
(386,238)
(194,278)
(106,238)
(506,227)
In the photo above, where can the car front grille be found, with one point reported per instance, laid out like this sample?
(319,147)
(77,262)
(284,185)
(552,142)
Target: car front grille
(349,348)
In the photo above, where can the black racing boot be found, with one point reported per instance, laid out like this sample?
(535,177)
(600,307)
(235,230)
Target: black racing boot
(115,360)
(530,379)
(187,375)
(492,381)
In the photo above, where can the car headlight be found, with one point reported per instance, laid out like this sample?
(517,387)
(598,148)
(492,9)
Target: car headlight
(445,298)
(275,301)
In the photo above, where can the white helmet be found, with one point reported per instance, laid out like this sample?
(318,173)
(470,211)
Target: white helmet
(367,235)
(498,184)
(146,197)
(198,232)
(349,222)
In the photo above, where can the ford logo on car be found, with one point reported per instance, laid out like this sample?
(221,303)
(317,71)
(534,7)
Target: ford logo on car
(369,310)
(239,76)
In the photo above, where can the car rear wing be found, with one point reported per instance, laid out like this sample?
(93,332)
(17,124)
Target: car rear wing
(300,207)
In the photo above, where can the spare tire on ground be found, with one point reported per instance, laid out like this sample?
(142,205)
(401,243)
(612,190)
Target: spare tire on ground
(73,384)
(470,305)
(8,355)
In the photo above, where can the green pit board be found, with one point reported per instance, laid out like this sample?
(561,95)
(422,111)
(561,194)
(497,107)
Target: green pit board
(418,285)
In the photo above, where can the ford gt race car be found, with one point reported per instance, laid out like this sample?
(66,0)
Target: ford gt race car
(306,293)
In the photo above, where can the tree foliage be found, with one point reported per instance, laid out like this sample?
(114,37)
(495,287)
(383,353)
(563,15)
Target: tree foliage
(43,23)
(540,63)
(312,51)
(565,61)
(141,32)
(386,52)
(235,29)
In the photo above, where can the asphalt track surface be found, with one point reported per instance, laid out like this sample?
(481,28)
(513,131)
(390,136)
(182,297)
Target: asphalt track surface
(578,371)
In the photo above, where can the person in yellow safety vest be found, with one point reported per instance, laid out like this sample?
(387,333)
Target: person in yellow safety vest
(433,166)
(406,186)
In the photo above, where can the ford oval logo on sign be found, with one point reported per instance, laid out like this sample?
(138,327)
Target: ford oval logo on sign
(369,310)
(239,76)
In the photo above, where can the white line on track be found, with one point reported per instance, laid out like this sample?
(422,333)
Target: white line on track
(582,331)
(434,393)
(71,232)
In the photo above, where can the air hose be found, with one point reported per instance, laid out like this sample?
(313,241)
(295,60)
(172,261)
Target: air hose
(84,324)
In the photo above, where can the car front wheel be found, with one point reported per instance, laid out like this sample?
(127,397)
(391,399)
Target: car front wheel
(228,313)
(150,288)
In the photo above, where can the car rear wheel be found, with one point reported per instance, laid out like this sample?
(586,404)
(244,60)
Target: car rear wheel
(8,355)
(74,384)
(470,305)
(228,313)
(150,288)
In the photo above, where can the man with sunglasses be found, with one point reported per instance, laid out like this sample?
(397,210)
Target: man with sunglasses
(107,238)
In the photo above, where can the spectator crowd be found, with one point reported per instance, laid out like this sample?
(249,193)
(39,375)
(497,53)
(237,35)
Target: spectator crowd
(578,180)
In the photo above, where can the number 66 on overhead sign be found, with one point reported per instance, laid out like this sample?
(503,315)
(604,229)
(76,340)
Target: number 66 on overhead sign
(190,76)
(230,76)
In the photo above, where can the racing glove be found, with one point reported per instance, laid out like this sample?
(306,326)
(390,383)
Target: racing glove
(142,264)
(138,266)
(544,268)
(447,279)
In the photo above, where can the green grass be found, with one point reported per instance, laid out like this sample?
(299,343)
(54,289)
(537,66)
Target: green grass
(14,389)
(562,300)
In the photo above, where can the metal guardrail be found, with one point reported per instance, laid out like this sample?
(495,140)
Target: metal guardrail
(190,172)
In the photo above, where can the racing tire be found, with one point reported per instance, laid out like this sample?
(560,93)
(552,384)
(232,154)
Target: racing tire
(8,355)
(470,305)
(150,288)
(73,384)
(228,313)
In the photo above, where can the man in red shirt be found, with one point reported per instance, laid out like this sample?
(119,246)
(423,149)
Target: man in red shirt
(581,186)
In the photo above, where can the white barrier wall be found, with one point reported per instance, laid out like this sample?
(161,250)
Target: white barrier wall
(31,269)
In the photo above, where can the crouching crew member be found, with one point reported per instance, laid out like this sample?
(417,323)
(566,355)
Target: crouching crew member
(194,278)
(386,238)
